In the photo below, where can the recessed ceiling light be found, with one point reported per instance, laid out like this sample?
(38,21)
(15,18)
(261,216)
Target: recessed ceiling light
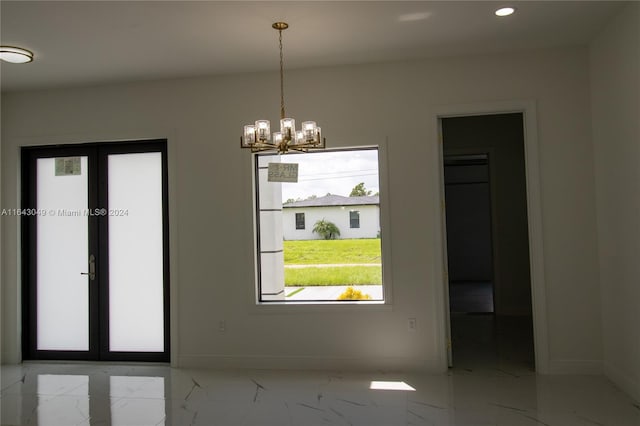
(505,11)
(15,55)
(416,16)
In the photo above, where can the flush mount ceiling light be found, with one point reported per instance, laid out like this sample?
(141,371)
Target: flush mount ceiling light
(15,55)
(258,136)
(505,11)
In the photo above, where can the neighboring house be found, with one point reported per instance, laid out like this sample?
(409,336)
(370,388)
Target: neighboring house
(355,217)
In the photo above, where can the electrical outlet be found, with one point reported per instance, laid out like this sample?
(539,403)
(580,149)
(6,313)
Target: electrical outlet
(411,324)
(222,326)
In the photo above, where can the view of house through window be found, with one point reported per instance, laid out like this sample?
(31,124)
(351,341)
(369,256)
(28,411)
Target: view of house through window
(354,219)
(319,237)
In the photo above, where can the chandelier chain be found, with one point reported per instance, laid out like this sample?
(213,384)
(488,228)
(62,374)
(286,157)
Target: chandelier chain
(282,115)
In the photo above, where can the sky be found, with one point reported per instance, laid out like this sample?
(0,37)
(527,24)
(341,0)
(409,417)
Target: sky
(335,172)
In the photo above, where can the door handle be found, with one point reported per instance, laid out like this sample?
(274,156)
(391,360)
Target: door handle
(92,268)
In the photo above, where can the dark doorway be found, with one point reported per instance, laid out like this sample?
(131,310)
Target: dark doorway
(469,248)
(487,242)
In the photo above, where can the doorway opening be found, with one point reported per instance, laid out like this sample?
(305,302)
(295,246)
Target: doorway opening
(95,252)
(489,280)
(469,240)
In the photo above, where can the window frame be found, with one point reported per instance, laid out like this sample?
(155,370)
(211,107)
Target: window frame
(300,225)
(260,306)
(353,219)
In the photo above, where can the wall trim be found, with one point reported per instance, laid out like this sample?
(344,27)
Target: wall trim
(379,365)
(576,366)
(534,214)
(628,384)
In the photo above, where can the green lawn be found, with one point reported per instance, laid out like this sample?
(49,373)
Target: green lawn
(310,252)
(339,275)
(323,252)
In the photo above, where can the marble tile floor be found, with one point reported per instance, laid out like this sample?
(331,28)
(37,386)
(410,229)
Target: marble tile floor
(110,394)
(491,341)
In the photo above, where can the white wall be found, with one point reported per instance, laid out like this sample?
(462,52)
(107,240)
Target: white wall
(211,194)
(615,86)
(339,215)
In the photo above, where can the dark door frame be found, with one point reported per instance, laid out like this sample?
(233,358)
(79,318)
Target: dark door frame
(97,154)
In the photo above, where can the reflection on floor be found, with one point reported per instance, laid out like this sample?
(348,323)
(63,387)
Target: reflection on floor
(490,341)
(106,394)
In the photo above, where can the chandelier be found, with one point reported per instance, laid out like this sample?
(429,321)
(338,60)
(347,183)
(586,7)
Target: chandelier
(258,136)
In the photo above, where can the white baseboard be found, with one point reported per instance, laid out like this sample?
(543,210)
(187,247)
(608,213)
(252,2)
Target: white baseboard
(628,384)
(575,366)
(311,363)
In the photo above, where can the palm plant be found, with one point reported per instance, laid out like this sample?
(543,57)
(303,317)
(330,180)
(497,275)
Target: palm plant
(327,230)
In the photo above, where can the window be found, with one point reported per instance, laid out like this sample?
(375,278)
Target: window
(330,183)
(354,219)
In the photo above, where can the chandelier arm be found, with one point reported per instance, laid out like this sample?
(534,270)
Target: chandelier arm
(299,149)
(261,148)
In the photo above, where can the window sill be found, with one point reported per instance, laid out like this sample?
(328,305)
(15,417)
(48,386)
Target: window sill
(297,307)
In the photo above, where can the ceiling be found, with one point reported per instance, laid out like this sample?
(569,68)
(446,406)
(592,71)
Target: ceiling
(80,43)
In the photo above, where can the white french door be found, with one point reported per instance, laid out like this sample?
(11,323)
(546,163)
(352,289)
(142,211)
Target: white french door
(95,252)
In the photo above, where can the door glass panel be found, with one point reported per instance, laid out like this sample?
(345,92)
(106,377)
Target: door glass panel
(136,316)
(62,254)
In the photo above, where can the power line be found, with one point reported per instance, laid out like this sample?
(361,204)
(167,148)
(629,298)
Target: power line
(337,177)
(338,172)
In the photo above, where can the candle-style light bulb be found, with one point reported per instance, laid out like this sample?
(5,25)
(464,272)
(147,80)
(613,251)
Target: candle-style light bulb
(249,135)
(263,130)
